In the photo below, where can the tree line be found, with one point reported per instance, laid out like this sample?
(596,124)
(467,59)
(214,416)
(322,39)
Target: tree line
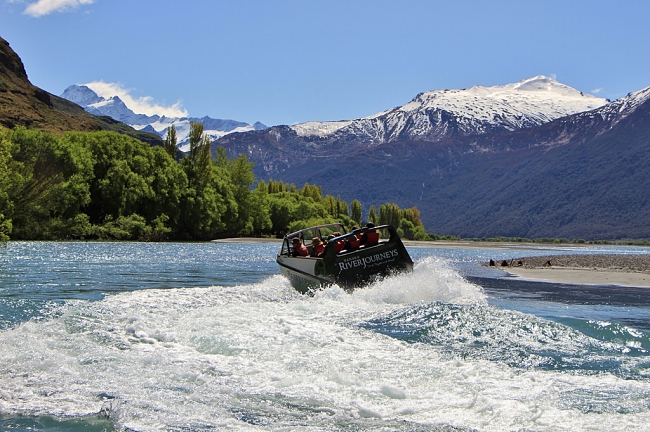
(108,186)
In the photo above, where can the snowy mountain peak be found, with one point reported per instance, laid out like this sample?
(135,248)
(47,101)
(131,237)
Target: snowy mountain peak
(115,107)
(435,114)
(542,83)
(621,108)
(81,95)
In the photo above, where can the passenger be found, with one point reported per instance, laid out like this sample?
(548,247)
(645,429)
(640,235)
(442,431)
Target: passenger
(340,244)
(299,249)
(354,241)
(317,246)
(371,236)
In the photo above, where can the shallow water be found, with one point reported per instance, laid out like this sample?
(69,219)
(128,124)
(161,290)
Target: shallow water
(208,336)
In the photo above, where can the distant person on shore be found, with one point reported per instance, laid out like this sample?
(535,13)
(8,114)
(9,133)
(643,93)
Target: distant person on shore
(299,249)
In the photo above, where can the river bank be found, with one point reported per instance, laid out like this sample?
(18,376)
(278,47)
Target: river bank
(592,269)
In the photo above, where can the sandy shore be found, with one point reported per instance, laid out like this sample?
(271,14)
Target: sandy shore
(607,269)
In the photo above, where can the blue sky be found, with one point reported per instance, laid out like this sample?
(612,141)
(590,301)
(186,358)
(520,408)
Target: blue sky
(286,61)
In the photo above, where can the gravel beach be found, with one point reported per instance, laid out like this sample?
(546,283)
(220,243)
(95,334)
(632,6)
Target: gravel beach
(592,269)
(601,262)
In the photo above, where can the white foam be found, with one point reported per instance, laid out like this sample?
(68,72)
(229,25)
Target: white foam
(264,356)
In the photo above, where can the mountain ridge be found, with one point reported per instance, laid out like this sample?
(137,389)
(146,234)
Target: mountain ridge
(433,116)
(115,108)
(441,114)
(24,104)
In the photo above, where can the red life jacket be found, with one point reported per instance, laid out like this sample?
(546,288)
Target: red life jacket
(318,248)
(353,243)
(338,246)
(300,250)
(371,238)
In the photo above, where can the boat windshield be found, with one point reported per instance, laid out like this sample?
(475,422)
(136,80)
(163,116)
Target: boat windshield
(320,231)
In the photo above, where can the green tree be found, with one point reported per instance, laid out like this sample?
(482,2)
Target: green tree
(206,199)
(372,215)
(6,205)
(412,215)
(170,143)
(330,204)
(312,191)
(389,214)
(123,173)
(356,211)
(281,212)
(260,212)
(199,161)
(169,185)
(341,207)
(405,229)
(242,178)
(35,177)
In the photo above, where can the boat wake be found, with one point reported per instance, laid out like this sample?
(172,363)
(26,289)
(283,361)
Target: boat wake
(418,351)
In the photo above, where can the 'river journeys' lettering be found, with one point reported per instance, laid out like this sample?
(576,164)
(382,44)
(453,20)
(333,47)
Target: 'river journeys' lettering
(369,261)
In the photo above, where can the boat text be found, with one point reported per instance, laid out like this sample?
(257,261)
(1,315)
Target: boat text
(369,261)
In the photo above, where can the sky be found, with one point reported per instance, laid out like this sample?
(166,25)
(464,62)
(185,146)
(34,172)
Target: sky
(292,61)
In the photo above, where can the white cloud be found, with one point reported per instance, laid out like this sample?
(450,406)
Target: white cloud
(140,105)
(598,90)
(45,7)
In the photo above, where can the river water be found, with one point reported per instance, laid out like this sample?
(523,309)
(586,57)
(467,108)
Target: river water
(208,336)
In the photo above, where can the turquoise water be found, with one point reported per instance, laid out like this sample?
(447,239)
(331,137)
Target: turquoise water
(209,336)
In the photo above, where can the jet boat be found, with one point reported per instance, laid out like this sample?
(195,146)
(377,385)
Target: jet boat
(349,260)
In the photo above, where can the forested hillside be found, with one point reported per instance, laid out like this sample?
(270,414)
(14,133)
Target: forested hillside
(105,185)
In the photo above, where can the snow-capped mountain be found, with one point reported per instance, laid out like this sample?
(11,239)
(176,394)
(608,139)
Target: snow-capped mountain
(115,108)
(621,108)
(584,175)
(439,114)
(433,117)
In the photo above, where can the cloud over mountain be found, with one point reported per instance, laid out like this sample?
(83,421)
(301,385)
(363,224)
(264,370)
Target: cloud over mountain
(140,105)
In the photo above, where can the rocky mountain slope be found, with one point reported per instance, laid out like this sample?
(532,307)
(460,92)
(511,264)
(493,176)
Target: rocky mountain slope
(115,108)
(585,175)
(23,104)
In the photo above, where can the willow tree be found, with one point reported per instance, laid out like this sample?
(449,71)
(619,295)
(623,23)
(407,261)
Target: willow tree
(5,203)
(372,214)
(390,214)
(170,144)
(356,211)
(204,201)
